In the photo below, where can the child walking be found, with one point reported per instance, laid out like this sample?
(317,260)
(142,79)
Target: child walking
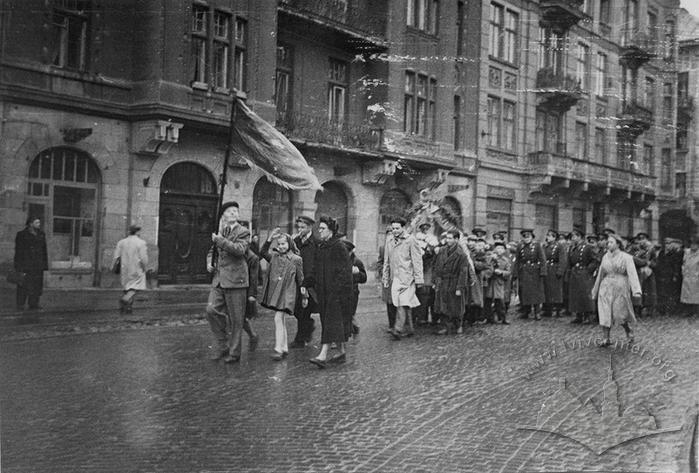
(284,278)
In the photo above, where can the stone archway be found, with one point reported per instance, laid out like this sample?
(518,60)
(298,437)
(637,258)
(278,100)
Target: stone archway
(187,211)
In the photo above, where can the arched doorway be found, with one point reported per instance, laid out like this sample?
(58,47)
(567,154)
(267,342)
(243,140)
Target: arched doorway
(272,206)
(332,201)
(187,212)
(394,203)
(63,190)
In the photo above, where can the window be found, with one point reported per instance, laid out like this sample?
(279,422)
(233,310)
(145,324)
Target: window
(667,101)
(682,86)
(551,47)
(70,34)
(241,54)
(681,184)
(631,15)
(652,26)
(682,143)
(666,169)
(625,152)
(457,122)
(579,220)
(501,124)
(222,26)
(649,94)
(497,215)
(282,82)
(200,21)
(548,132)
(419,105)
(459,28)
(581,140)
(545,217)
(669,42)
(600,74)
(503,33)
(600,145)
(423,15)
(648,167)
(605,11)
(582,66)
(337,90)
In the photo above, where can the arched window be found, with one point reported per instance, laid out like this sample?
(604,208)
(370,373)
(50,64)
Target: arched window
(332,201)
(63,190)
(272,206)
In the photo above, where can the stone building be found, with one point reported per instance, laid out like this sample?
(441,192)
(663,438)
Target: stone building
(548,113)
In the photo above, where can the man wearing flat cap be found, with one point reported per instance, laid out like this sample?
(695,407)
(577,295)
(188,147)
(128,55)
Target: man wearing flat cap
(530,268)
(131,256)
(306,243)
(582,264)
(227,261)
(556,266)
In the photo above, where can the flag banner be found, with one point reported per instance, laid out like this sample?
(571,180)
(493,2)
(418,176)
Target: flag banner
(266,148)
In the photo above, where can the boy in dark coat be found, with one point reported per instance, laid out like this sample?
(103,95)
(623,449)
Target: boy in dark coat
(498,287)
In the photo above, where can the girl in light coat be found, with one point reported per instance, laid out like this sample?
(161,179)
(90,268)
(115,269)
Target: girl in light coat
(283,280)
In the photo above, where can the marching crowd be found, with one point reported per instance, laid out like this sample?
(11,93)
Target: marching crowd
(452,281)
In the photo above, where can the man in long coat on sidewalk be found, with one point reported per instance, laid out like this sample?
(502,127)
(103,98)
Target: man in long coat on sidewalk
(530,268)
(582,265)
(556,265)
(306,243)
(450,278)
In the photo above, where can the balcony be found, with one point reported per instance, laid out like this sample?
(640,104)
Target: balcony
(557,91)
(561,15)
(560,171)
(317,129)
(685,109)
(637,47)
(353,25)
(634,119)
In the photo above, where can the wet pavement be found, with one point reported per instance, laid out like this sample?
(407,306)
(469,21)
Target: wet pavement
(133,396)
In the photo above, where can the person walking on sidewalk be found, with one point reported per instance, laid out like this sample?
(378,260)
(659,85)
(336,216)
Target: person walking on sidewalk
(132,254)
(227,299)
(284,279)
(306,243)
(617,282)
(31,258)
(334,290)
(402,272)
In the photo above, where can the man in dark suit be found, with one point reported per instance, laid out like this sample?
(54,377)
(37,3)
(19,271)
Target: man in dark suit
(227,299)
(31,258)
(306,243)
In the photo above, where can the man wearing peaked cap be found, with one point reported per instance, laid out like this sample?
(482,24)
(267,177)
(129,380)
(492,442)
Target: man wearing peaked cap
(530,268)
(556,266)
(305,219)
(582,265)
(479,232)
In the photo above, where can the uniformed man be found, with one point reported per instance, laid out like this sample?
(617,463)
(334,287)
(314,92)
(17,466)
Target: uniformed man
(530,268)
(556,265)
(644,257)
(582,265)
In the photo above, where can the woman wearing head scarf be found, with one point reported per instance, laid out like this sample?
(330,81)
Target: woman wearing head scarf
(334,289)
(617,281)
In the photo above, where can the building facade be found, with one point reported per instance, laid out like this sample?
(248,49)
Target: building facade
(549,113)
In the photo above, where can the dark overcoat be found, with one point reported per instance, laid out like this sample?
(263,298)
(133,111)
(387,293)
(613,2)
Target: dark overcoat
(668,276)
(357,279)
(582,265)
(556,264)
(644,258)
(333,284)
(307,250)
(449,274)
(531,271)
(31,257)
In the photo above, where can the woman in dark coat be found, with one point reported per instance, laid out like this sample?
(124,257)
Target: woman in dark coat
(31,258)
(450,277)
(333,286)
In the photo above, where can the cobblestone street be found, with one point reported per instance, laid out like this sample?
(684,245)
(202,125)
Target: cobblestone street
(146,398)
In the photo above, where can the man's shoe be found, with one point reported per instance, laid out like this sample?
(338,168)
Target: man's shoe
(231,359)
(537,316)
(297,344)
(505,322)
(339,358)
(459,330)
(396,334)
(217,355)
(277,356)
(254,340)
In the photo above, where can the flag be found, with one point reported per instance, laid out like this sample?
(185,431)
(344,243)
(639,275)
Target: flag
(266,148)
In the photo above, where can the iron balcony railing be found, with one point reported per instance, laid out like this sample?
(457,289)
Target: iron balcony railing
(318,129)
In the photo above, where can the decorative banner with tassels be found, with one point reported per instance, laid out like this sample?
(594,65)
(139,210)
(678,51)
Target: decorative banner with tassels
(264,147)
